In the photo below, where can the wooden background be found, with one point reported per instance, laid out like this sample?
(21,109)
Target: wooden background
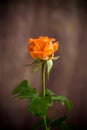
(67,22)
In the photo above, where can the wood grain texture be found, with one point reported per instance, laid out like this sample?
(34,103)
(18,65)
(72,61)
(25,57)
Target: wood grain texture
(66,21)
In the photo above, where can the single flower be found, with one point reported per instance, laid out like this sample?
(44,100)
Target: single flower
(42,48)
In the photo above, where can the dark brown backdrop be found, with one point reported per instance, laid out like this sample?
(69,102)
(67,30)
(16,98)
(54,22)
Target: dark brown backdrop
(64,20)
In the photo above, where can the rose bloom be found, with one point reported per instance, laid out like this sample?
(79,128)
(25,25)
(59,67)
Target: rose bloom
(42,48)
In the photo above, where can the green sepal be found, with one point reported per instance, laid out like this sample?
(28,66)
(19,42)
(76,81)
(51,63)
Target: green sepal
(58,122)
(49,66)
(38,105)
(24,90)
(37,67)
(55,57)
(37,64)
(33,63)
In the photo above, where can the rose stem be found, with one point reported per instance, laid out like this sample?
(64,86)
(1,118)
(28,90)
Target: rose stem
(43,89)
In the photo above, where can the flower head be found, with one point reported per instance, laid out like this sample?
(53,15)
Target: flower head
(42,48)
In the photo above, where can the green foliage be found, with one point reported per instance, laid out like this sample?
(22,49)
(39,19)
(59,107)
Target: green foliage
(62,124)
(40,123)
(38,105)
(63,100)
(24,90)
(49,92)
(58,122)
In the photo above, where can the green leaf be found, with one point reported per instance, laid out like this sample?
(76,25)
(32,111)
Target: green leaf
(23,90)
(49,92)
(66,126)
(49,66)
(40,123)
(69,104)
(38,105)
(63,100)
(58,122)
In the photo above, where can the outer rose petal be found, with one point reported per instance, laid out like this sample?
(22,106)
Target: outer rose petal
(55,46)
(44,39)
(31,40)
(48,53)
(37,54)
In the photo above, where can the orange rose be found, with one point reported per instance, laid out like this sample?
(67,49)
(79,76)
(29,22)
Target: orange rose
(42,47)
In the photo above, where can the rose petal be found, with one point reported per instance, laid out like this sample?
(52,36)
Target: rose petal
(40,44)
(31,40)
(55,46)
(36,54)
(48,53)
(48,47)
